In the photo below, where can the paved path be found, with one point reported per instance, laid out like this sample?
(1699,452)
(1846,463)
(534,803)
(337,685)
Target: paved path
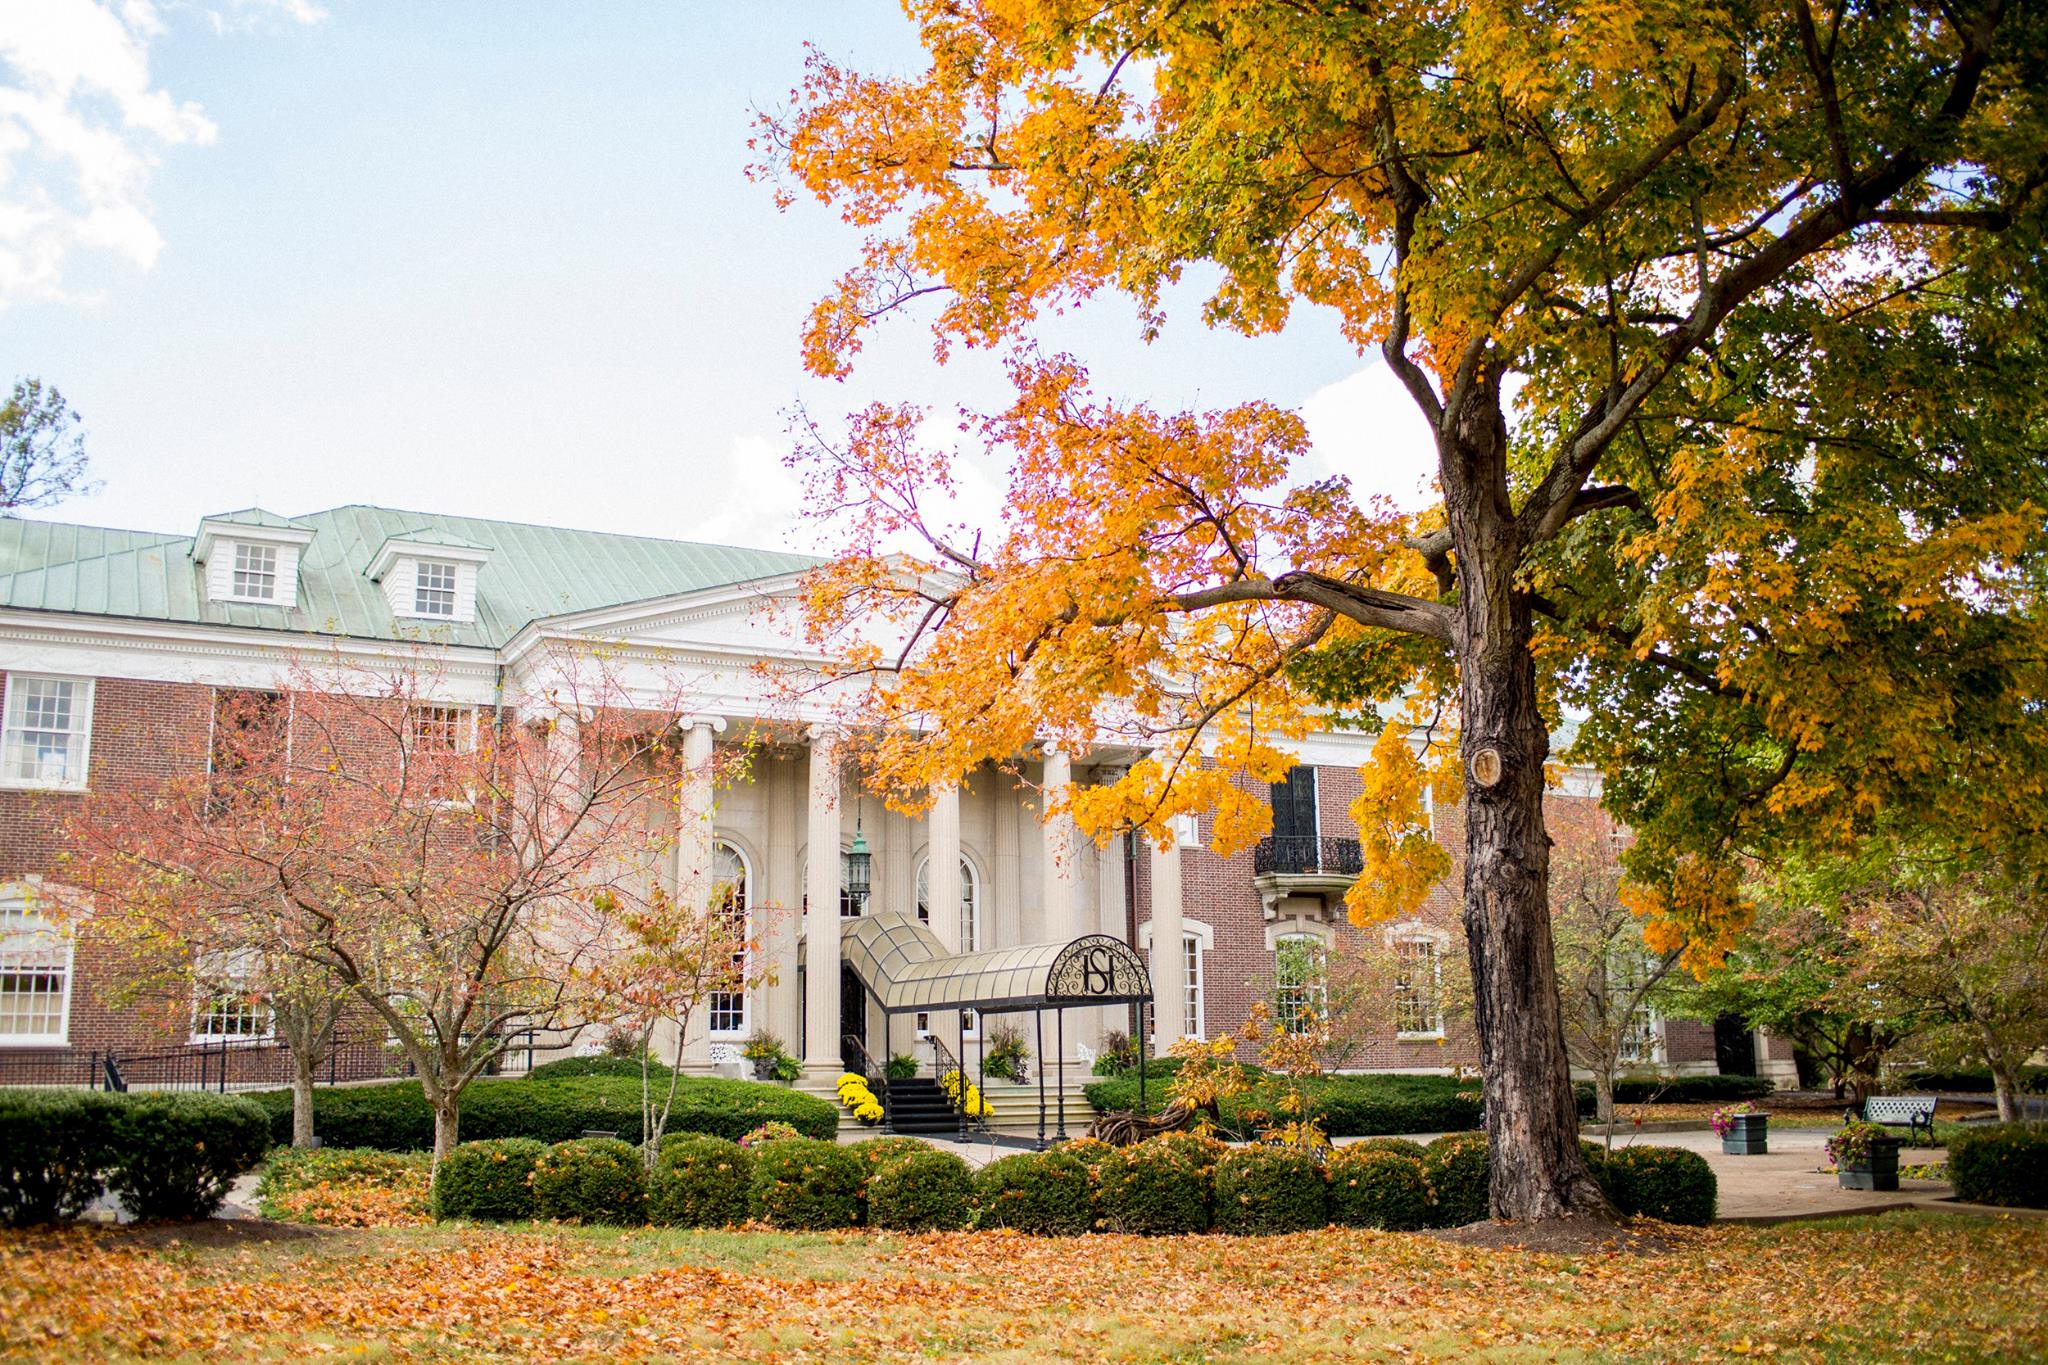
(1788,1181)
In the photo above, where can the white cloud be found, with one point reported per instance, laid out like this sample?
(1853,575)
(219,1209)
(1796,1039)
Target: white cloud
(1368,429)
(81,130)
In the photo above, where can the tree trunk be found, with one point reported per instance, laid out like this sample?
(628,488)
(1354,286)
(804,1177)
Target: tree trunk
(302,1099)
(1531,1118)
(2005,1079)
(1603,1096)
(446,1117)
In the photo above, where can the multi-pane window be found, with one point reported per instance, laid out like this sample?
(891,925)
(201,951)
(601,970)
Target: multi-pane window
(1301,987)
(48,723)
(255,572)
(727,1010)
(440,729)
(1642,1037)
(433,588)
(970,902)
(1418,993)
(35,976)
(1191,1010)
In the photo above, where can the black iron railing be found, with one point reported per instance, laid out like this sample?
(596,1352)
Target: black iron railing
(229,1064)
(1304,853)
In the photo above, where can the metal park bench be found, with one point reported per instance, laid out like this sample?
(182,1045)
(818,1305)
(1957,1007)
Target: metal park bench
(1914,1113)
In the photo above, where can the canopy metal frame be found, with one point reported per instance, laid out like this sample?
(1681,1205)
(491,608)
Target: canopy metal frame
(904,969)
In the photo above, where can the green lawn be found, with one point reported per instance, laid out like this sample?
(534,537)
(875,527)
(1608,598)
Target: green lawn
(1896,1287)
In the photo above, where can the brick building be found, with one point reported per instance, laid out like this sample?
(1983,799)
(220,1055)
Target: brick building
(117,648)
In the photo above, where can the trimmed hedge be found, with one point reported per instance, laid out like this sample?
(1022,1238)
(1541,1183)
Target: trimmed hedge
(1372,1187)
(395,1117)
(1679,1090)
(2004,1163)
(700,1182)
(176,1154)
(575,1068)
(1400,1146)
(806,1184)
(1969,1080)
(491,1180)
(591,1180)
(1263,1190)
(1046,1194)
(1666,1183)
(923,1191)
(1160,1186)
(1458,1170)
(55,1147)
(1348,1106)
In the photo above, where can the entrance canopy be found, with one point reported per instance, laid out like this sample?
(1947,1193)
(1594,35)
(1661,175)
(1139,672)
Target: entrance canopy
(907,969)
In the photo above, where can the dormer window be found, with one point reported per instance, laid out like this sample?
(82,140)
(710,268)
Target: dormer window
(255,572)
(429,575)
(433,588)
(251,556)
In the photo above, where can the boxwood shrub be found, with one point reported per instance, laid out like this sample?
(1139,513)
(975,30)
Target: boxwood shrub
(1969,1080)
(1400,1146)
(55,1147)
(490,1180)
(1160,1186)
(591,1180)
(2005,1163)
(1666,1183)
(574,1068)
(1047,1194)
(1270,1190)
(921,1192)
(806,1184)
(700,1182)
(176,1154)
(1372,1187)
(1458,1172)
(1348,1106)
(1679,1090)
(395,1116)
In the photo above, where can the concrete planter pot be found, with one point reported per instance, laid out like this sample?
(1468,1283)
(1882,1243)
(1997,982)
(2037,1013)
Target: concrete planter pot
(1879,1170)
(1749,1136)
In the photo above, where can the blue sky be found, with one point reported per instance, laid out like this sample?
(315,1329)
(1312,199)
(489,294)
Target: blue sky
(498,259)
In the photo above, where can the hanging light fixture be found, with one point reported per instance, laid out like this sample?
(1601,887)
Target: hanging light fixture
(859,862)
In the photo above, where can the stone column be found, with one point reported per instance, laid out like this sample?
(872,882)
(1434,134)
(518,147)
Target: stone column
(821,917)
(1061,923)
(1169,974)
(942,866)
(695,805)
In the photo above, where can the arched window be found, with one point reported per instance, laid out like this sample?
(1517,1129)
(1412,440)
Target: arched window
(726,1011)
(35,973)
(1301,983)
(970,901)
(848,907)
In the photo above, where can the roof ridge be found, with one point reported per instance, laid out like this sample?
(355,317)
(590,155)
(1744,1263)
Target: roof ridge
(570,530)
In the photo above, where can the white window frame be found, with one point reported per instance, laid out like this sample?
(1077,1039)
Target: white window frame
(1187,831)
(711,1001)
(1395,943)
(203,997)
(81,731)
(420,588)
(20,901)
(1316,993)
(970,914)
(240,569)
(1195,1023)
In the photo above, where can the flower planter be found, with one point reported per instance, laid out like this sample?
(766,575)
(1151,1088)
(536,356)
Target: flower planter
(1747,1136)
(764,1068)
(1879,1170)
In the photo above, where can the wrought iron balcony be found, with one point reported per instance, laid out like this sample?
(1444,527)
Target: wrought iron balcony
(1306,855)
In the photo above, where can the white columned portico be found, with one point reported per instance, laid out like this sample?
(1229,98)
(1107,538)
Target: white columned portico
(1169,991)
(942,866)
(821,915)
(696,807)
(1061,923)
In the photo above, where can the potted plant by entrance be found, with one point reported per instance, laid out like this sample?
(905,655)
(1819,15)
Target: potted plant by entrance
(1866,1157)
(1741,1128)
(771,1063)
(1007,1054)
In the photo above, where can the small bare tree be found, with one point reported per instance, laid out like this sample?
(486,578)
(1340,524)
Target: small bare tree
(1608,979)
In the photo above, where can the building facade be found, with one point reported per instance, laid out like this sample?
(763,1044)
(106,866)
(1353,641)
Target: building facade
(117,648)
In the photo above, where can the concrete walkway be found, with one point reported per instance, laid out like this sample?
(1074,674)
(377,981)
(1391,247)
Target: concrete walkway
(1789,1182)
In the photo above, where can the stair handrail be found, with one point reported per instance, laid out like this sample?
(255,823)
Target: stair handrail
(868,1068)
(946,1061)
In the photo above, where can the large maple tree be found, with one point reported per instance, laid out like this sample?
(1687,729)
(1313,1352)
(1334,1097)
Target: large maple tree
(1725,320)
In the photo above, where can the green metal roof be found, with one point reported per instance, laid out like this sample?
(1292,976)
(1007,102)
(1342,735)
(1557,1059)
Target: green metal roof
(533,572)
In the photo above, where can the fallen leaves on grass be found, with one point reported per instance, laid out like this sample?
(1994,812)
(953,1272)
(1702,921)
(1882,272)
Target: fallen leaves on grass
(1897,1288)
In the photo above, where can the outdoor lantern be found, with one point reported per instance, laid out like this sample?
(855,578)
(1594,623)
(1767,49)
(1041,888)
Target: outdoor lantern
(858,860)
